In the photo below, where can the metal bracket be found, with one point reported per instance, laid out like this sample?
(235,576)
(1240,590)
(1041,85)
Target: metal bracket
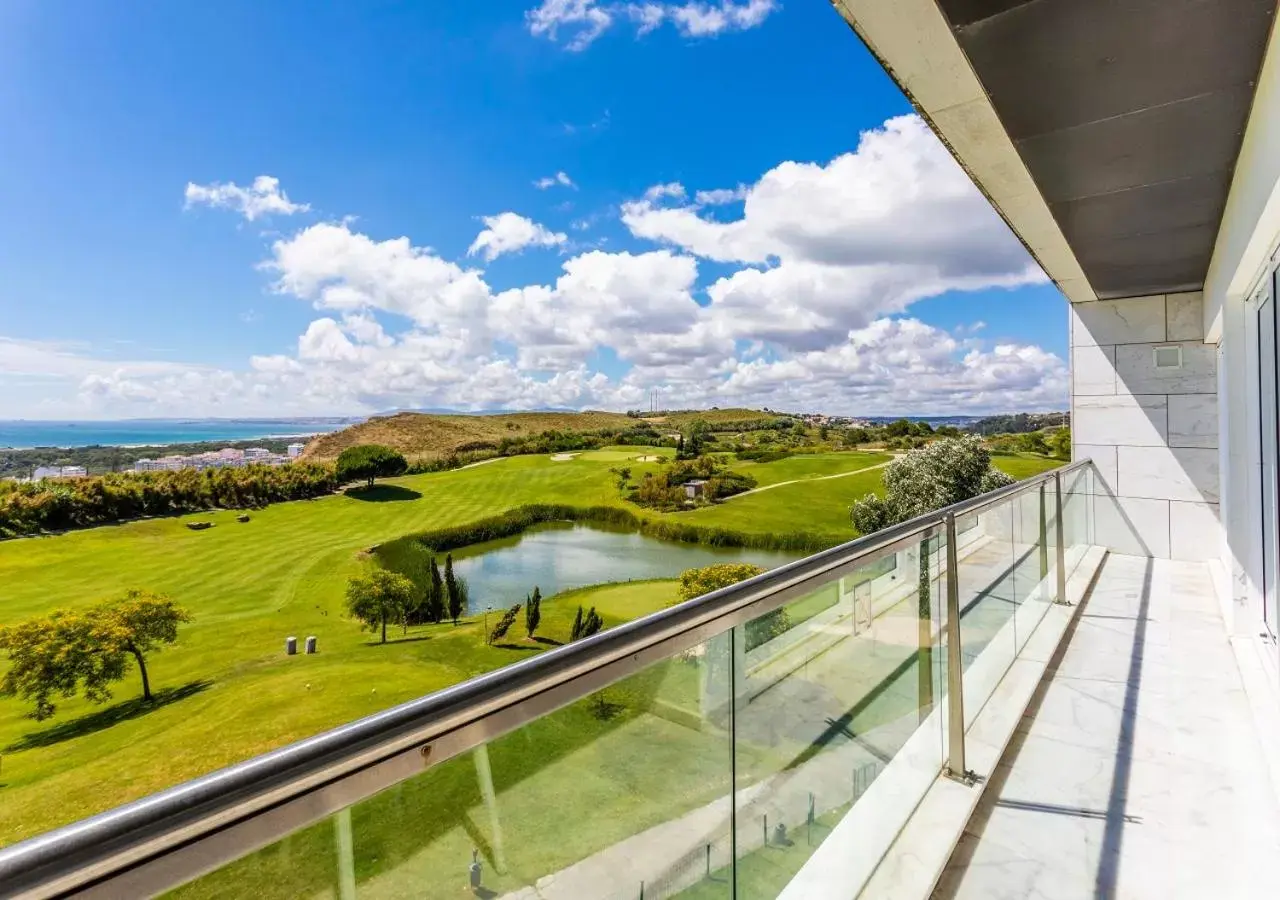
(968,777)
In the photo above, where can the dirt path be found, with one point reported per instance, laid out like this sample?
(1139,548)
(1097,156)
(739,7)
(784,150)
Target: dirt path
(769,487)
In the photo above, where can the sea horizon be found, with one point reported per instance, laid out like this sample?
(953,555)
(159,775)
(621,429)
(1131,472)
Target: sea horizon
(28,434)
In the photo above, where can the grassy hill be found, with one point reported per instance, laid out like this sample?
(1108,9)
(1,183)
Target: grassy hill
(425,435)
(422,435)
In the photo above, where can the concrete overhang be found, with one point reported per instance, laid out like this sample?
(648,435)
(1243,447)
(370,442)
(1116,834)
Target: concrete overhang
(1105,132)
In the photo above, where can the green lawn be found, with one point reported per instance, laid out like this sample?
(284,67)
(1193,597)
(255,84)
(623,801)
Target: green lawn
(233,693)
(808,466)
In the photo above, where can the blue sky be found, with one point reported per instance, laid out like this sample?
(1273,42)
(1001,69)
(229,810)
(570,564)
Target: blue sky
(145,274)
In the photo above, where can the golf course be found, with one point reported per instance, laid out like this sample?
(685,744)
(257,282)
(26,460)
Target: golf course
(227,691)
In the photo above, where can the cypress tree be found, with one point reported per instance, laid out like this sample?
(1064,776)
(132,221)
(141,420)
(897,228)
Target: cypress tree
(533,611)
(435,597)
(576,631)
(450,599)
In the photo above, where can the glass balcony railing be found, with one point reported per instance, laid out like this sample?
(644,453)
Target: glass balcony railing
(706,751)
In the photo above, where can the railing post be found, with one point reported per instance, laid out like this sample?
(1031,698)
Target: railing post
(1059,531)
(955,665)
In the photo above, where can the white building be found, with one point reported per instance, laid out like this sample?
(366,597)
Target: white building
(59,472)
(295,450)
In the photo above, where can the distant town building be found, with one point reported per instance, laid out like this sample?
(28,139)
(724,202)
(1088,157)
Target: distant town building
(295,450)
(59,472)
(226,458)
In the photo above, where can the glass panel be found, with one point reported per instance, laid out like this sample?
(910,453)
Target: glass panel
(987,602)
(1075,517)
(838,725)
(1035,578)
(622,794)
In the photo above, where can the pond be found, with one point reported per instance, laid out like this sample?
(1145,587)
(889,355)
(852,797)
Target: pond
(558,556)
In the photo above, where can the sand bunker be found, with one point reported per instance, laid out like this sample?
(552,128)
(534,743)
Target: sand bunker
(648,458)
(563,457)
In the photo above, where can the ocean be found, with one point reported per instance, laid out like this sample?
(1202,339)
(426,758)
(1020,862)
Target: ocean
(142,432)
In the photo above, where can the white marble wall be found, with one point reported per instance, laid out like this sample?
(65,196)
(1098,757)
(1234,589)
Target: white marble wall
(1153,433)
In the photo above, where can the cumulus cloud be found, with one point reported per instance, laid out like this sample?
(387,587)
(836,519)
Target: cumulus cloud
(550,181)
(262,198)
(799,300)
(510,233)
(827,248)
(579,22)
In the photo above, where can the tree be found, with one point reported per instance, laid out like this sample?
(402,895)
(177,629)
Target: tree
(137,624)
(533,611)
(1059,442)
(763,628)
(380,596)
(450,590)
(504,624)
(459,594)
(66,653)
(436,597)
(365,462)
(940,474)
(585,626)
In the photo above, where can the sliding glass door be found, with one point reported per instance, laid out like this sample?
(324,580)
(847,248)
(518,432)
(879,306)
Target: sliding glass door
(1267,397)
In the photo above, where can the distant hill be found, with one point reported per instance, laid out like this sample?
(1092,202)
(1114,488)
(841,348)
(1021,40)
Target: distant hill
(425,435)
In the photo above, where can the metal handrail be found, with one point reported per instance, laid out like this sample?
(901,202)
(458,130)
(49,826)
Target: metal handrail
(169,837)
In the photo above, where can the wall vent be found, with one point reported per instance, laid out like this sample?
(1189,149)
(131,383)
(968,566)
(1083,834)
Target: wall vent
(1168,357)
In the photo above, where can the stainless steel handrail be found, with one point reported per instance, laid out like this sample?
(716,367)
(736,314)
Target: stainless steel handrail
(165,839)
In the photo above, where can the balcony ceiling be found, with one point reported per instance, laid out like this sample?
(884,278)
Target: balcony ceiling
(1129,115)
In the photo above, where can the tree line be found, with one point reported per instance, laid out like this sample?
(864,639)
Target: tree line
(57,505)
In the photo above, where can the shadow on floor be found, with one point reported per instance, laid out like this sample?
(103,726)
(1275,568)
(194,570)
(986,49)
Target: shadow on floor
(1114,816)
(112,715)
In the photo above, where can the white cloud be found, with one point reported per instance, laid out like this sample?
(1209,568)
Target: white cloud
(509,233)
(658,191)
(616,300)
(705,19)
(550,181)
(262,198)
(338,269)
(721,196)
(580,22)
(808,308)
(828,248)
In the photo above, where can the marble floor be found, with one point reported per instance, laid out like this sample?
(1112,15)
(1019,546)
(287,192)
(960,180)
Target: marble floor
(1136,772)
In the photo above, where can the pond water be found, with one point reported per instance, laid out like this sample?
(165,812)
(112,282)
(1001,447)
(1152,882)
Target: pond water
(558,556)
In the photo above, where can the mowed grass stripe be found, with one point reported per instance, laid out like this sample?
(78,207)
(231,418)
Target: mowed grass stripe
(284,573)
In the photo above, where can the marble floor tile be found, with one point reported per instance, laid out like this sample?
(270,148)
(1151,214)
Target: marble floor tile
(1137,772)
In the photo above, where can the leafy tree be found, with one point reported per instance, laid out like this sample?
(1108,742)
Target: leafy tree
(66,653)
(137,624)
(365,462)
(504,624)
(763,628)
(380,596)
(944,472)
(533,611)
(898,428)
(1059,442)
(585,626)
